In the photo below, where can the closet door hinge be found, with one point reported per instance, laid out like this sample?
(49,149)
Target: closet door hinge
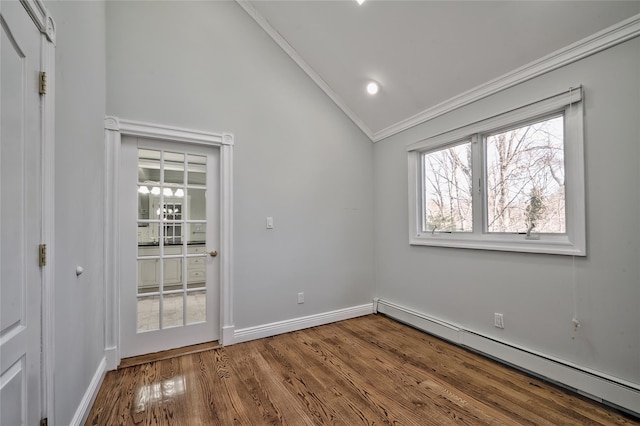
(42,255)
(42,83)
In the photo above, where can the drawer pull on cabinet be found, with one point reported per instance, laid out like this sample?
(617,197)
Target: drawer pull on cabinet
(213,253)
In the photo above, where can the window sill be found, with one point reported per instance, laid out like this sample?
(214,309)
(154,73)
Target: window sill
(546,244)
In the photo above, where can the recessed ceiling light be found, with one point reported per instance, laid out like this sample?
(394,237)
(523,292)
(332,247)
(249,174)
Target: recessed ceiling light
(373,87)
(360,2)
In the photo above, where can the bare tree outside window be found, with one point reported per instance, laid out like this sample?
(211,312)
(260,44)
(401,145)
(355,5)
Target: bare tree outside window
(448,189)
(525,185)
(511,182)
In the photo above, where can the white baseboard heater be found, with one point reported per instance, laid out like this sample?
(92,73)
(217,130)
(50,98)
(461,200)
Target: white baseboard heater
(609,390)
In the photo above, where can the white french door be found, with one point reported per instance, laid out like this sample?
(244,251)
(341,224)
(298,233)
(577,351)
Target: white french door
(169,222)
(20,218)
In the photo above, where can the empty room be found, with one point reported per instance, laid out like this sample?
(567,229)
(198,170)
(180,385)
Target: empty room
(320,212)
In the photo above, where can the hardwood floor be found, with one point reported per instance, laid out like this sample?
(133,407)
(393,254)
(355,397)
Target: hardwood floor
(171,353)
(368,370)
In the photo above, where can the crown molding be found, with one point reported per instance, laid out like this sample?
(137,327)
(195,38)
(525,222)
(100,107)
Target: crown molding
(289,50)
(609,37)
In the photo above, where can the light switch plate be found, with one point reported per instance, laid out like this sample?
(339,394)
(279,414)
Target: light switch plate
(498,320)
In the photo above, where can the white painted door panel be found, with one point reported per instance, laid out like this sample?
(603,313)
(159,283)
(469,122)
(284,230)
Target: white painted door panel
(20,217)
(169,284)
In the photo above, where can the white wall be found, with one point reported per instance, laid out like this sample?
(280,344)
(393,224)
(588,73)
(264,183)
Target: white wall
(208,66)
(534,292)
(79,182)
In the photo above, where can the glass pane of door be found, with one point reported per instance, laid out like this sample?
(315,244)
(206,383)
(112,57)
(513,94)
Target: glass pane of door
(172,214)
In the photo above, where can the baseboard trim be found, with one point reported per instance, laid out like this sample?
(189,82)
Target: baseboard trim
(112,357)
(82,412)
(603,388)
(286,326)
(227,335)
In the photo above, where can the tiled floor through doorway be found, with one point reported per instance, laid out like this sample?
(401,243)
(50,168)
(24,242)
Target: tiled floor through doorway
(173,310)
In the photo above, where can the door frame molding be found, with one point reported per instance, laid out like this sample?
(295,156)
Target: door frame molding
(40,16)
(45,23)
(115,128)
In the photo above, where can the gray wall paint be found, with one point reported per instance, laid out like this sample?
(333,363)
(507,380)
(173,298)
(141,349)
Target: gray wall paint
(534,292)
(208,66)
(297,158)
(79,183)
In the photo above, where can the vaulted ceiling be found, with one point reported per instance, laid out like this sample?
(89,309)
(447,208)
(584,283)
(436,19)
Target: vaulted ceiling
(424,53)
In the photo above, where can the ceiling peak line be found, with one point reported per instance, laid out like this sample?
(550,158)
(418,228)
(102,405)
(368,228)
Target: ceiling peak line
(609,37)
(289,50)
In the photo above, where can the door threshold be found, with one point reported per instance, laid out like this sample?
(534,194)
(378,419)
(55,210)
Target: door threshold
(171,353)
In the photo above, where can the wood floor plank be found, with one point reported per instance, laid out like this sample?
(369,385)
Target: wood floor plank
(231,406)
(270,385)
(461,369)
(340,389)
(365,371)
(436,404)
(388,410)
(168,354)
(497,381)
(314,383)
(255,381)
(421,388)
(445,369)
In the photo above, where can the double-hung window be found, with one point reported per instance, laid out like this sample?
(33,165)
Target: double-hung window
(512,182)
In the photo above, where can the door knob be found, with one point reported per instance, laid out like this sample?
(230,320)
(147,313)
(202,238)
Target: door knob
(213,253)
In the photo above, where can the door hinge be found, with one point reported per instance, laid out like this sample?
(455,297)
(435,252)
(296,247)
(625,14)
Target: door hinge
(42,83)
(44,422)
(42,255)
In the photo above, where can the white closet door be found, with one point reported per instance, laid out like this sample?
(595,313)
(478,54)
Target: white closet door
(20,218)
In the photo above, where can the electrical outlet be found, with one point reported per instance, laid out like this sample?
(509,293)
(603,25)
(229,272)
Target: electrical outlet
(498,320)
(300,297)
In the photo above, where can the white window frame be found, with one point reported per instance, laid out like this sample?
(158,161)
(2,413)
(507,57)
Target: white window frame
(572,243)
